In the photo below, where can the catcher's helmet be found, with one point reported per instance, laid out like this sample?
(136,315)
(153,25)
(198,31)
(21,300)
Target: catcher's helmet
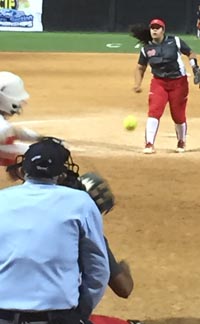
(12,93)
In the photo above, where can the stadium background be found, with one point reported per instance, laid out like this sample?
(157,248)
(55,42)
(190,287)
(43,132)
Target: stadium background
(116,15)
(81,89)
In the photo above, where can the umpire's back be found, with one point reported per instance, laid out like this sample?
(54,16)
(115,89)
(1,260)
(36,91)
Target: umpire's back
(46,230)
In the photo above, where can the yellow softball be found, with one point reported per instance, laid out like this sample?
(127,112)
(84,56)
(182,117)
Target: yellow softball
(130,122)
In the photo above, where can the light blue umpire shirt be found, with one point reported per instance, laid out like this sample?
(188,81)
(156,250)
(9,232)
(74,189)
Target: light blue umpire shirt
(46,232)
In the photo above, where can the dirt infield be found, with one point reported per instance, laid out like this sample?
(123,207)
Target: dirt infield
(83,98)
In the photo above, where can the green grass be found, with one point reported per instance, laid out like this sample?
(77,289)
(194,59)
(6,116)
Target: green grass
(76,42)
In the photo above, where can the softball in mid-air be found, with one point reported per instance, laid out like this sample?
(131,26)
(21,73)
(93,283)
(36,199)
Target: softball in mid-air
(130,122)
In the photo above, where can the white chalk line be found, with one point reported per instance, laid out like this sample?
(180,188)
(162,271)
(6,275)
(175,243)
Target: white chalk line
(42,121)
(99,148)
(85,147)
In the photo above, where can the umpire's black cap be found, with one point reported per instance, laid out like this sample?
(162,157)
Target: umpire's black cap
(45,159)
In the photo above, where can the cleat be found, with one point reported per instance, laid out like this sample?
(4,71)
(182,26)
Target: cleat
(134,321)
(149,149)
(180,147)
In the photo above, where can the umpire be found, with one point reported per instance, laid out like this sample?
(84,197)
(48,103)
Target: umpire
(48,233)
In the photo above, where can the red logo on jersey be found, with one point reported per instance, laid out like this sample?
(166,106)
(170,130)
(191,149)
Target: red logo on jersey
(151,52)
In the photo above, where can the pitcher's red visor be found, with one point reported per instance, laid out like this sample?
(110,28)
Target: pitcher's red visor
(158,22)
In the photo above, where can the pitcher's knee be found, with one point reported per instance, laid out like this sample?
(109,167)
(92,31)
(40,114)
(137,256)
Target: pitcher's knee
(179,120)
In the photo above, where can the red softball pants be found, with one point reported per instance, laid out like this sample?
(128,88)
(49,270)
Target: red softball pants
(172,91)
(103,319)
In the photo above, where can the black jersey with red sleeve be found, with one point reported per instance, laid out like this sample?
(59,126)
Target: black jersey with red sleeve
(165,58)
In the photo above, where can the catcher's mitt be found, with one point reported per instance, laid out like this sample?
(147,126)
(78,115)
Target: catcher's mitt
(99,190)
(197,76)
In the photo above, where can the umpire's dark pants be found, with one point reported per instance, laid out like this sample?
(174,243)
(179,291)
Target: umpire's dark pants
(71,316)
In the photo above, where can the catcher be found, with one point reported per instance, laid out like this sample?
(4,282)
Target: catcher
(120,281)
(13,97)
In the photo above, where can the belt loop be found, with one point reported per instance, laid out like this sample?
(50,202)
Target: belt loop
(16,318)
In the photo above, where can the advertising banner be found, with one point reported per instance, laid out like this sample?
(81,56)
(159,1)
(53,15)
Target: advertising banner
(21,15)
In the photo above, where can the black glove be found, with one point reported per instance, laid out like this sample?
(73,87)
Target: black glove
(99,190)
(196,71)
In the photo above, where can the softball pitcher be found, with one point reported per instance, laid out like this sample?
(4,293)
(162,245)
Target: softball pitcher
(169,83)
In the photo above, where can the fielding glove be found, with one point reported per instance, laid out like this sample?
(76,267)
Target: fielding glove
(196,72)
